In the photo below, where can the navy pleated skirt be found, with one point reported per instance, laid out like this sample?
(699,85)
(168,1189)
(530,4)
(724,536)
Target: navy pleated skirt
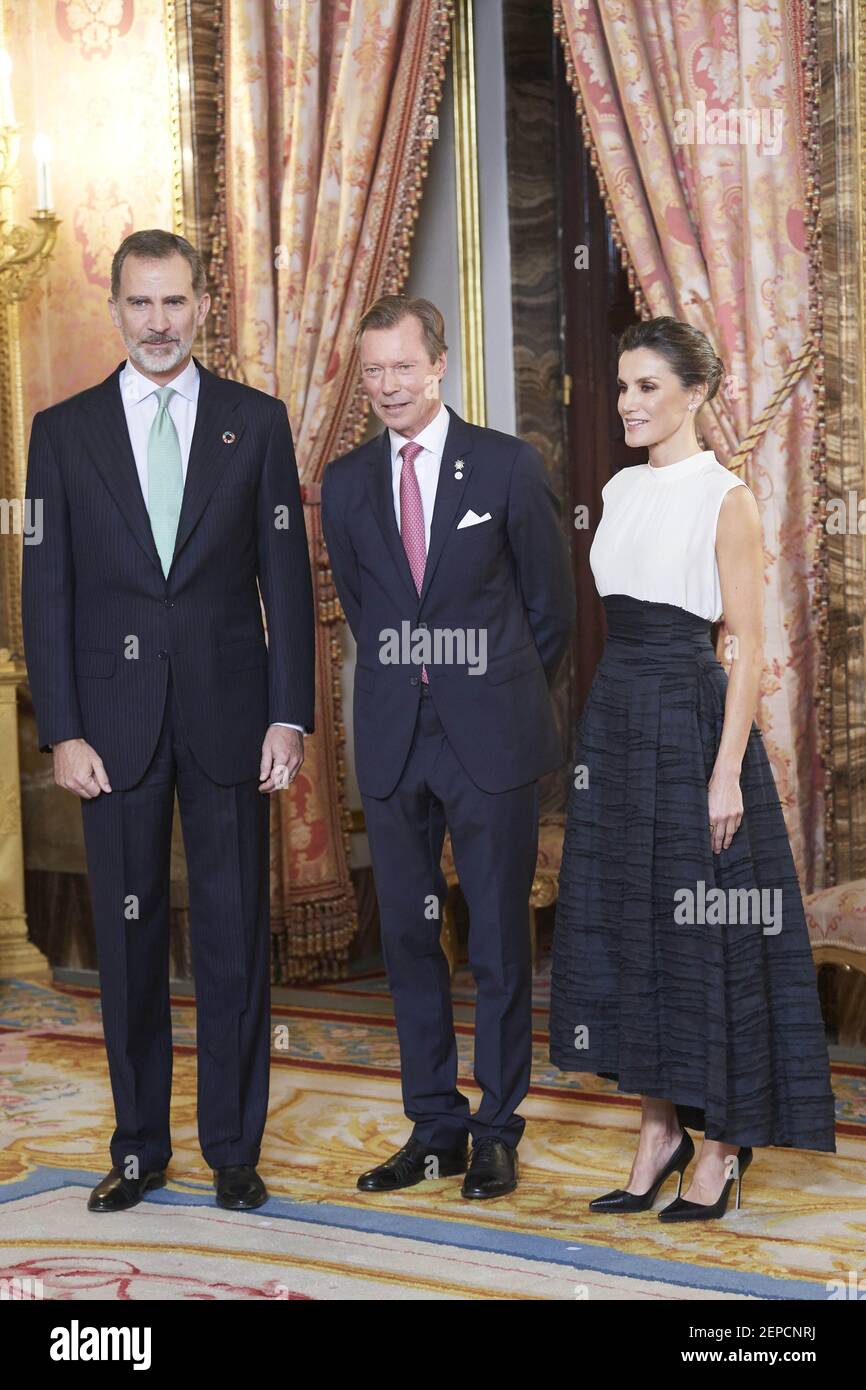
(666,978)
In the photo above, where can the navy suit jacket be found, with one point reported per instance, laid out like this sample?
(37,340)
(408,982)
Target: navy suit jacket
(101,621)
(510,576)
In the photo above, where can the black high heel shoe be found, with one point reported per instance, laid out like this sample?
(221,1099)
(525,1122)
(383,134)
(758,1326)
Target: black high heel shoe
(681,1210)
(620,1201)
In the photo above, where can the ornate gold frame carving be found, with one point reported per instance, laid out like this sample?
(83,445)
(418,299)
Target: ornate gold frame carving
(178,164)
(12,444)
(468,215)
(12,473)
(19,958)
(192,38)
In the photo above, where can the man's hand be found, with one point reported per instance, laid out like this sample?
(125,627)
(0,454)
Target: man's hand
(79,769)
(282,756)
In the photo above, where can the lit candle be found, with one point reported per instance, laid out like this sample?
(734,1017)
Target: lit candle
(7,112)
(42,151)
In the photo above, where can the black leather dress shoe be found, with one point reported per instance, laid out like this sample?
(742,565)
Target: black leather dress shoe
(492,1170)
(239,1187)
(412,1164)
(119,1193)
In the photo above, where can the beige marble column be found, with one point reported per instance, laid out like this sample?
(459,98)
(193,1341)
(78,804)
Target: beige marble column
(19,958)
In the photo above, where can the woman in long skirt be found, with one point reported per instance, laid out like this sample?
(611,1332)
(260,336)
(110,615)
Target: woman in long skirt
(681,964)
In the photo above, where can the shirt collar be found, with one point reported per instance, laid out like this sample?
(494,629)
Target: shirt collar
(432,437)
(135,386)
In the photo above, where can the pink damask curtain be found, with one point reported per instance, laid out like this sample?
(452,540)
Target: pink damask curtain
(328,118)
(716,234)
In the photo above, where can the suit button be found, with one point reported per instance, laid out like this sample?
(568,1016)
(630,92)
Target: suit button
(413,680)
(162,655)
(169,603)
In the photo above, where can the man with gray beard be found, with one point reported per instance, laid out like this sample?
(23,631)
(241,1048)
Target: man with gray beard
(171,497)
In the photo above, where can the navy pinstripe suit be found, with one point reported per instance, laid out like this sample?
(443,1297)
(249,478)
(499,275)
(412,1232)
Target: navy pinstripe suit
(464,751)
(172,683)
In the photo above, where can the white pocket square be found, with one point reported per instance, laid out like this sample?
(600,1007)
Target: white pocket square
(470,519)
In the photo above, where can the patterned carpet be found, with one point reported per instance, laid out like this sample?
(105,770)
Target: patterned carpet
(336,1109)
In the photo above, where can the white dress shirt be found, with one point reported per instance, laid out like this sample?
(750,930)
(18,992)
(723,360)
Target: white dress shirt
(140,405)
(432,441)
(138,394)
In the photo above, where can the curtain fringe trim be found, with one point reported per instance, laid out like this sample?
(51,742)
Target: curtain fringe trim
(821,570)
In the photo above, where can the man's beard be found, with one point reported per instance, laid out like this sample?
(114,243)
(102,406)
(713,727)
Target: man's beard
(144,356)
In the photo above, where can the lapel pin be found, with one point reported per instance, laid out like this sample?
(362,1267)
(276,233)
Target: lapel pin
(458,468)
(229,437)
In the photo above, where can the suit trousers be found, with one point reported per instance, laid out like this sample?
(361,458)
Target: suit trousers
(128,841)
(495,844)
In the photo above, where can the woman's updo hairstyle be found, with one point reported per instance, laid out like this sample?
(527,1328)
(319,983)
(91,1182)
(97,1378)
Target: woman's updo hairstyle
(688,351)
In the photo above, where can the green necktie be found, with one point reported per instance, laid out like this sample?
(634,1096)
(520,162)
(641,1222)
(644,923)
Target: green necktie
(164,479)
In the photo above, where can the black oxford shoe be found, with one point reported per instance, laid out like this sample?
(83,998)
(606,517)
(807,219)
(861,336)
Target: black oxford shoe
(239,1187)
(119,1193)
(492,1171)
(412,1164)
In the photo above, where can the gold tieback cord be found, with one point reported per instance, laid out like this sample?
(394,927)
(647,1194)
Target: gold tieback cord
(796,370)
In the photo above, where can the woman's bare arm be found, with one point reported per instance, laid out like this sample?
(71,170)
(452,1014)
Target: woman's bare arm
(740,558)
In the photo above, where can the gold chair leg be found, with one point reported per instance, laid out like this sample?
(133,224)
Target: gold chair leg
(448,936)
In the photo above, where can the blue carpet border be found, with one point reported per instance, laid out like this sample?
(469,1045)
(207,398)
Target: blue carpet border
(599,1259)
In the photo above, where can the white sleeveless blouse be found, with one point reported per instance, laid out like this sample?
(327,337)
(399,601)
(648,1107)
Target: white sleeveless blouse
(657,536)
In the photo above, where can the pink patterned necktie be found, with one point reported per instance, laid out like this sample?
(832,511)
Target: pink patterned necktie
(412,520)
